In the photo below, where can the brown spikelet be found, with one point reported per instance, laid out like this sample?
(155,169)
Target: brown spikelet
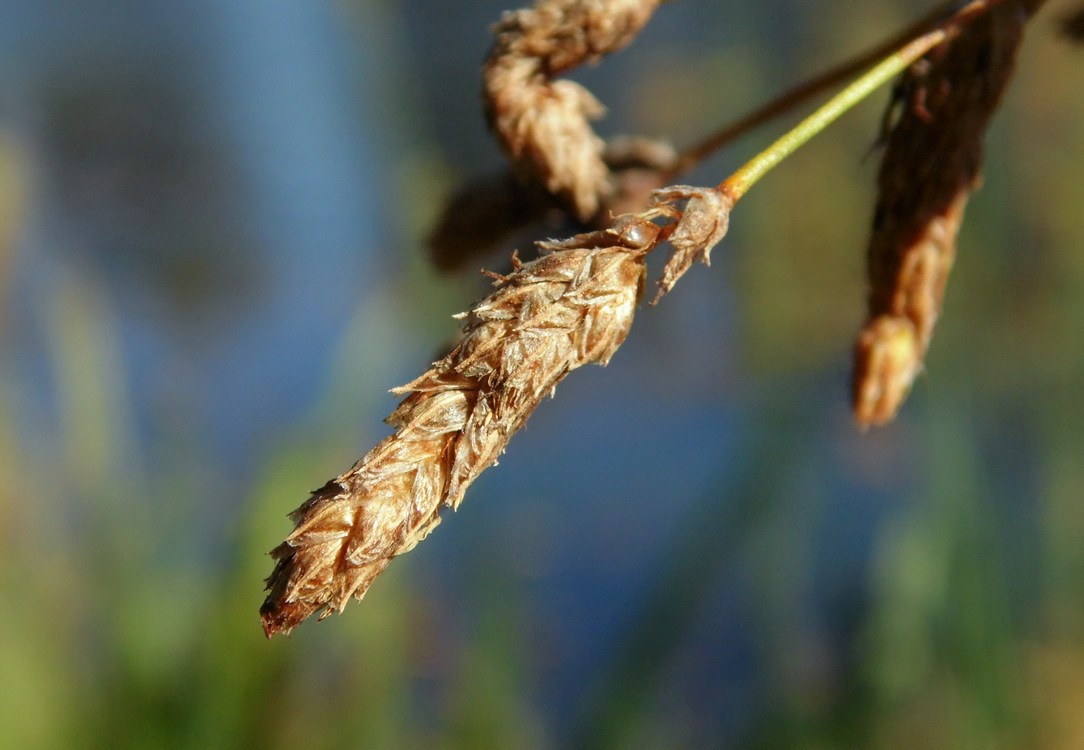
(932,162)
(572,306)
(543,123)
(481,215)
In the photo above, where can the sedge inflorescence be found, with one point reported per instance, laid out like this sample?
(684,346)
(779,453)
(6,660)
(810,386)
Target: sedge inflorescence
(574,304)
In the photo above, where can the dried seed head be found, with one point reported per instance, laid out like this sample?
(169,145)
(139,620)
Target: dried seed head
(932,162)
(570,307)
(544,124)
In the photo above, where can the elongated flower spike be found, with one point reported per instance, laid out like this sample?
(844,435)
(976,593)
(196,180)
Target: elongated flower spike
(932,162)
(572,306)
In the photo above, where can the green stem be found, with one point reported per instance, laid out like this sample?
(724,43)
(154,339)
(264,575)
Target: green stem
(807,90)
(739,183)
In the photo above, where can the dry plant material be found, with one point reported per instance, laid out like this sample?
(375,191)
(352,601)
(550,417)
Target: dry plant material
(638,167)
(481,215)
(1073,25)
(487,211)
(544,124)
(932,162)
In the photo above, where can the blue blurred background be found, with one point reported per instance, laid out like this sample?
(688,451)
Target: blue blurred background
(212,268)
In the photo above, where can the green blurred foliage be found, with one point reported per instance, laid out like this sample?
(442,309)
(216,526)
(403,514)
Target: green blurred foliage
(973,634)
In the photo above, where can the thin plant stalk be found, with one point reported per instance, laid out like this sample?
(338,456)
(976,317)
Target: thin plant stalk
(739,183)
(807,89)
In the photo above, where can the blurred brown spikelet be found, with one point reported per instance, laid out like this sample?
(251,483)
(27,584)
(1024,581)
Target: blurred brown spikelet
(932,162)
(1073,25)
(571,307)
(542,123)
(487,211)
(480,215)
